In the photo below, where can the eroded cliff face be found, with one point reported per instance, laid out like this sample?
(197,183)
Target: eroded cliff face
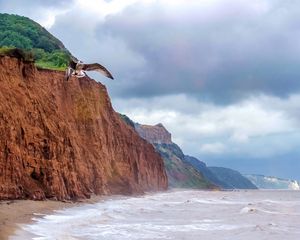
(156,134)
(63,140)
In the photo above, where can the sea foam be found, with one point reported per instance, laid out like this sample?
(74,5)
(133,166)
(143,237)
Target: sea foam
(178,214)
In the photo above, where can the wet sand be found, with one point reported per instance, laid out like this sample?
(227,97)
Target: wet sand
(16,212)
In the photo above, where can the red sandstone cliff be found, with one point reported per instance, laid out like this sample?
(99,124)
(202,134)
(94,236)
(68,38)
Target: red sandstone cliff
(63,139)
(154,134)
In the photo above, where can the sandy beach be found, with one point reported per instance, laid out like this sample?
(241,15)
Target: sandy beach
(15,212)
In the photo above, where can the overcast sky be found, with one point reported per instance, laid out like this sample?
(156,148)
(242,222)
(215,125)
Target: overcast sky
(223,76)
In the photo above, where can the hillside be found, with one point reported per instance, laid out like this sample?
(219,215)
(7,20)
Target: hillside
(63,140)
(207,173)
(225,178)
(23,33)
(180,174)
(233,178)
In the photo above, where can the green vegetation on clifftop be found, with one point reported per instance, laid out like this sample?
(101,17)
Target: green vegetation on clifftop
(23,33)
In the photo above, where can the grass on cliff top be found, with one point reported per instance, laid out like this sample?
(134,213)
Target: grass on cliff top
(47,65)
(4,50)
(56,60)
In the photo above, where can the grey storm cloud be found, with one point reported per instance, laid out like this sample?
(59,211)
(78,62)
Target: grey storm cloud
(37,10)
(32,3)
(219,52)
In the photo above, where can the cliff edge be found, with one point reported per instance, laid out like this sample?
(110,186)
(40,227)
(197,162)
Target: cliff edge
(63,140)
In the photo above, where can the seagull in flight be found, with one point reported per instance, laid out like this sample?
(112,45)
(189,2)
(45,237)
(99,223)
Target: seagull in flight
(78,69)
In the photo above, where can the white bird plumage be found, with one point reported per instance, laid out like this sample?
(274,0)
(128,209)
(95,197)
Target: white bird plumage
(78,68)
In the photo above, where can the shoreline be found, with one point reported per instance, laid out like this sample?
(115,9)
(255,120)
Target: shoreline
(14,213)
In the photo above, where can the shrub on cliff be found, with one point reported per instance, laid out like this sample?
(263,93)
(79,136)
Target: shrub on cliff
(26,56)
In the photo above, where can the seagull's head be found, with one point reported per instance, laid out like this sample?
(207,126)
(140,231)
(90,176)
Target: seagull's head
(79,63)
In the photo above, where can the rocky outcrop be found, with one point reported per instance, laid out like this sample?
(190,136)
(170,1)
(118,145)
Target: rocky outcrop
(63,140)
(156,134)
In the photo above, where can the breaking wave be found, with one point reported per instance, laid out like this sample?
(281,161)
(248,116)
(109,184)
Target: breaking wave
(176,214)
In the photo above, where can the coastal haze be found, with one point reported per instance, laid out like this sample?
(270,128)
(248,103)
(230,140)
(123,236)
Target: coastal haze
(176,214)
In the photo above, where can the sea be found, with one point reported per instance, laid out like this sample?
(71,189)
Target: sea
(175,214)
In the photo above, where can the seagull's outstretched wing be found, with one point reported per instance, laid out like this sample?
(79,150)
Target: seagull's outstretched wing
(97,67)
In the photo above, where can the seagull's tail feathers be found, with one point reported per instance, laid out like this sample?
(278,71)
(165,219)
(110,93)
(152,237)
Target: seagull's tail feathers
(68,73)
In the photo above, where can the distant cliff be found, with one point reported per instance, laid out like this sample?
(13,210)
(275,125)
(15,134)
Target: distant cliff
(180,173)
(265,182)
(232,178)
(207,173)
(63,140)
(225,178)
